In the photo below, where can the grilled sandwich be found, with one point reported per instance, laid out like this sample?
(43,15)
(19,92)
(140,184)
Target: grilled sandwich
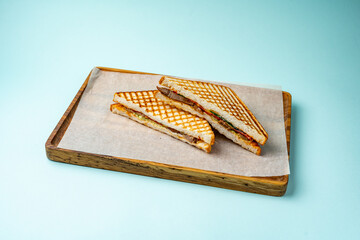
(143,107)
(219,105)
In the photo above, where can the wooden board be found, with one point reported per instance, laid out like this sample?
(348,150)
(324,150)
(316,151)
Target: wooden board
(274,186)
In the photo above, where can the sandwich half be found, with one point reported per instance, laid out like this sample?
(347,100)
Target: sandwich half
(219,105)
(143,107)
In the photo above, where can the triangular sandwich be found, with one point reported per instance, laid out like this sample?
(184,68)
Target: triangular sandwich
(145,108)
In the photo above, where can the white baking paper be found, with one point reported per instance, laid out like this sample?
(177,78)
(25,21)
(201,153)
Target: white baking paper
(95,129)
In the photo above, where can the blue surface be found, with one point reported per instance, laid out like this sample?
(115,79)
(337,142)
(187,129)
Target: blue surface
(311,48)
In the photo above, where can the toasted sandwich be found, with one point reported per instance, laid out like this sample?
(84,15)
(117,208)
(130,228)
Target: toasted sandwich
(145,108)
(219,105)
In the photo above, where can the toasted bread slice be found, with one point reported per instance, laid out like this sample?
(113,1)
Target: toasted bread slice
(220,100)
(251,146)
(143,107)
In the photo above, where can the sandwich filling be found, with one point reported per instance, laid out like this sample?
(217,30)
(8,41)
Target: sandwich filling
(143,117)
(215,116)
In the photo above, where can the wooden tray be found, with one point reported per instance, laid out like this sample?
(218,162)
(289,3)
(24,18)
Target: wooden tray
(274,186)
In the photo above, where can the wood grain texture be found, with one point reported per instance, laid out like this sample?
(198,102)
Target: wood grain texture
(274,186)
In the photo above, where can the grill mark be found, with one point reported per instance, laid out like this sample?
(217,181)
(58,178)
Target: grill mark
(224,97)
(150,101)
(213,89)
(251,116)
(233,99)
(245,113)
(187,137)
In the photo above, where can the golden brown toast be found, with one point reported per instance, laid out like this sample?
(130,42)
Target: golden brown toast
(145,103)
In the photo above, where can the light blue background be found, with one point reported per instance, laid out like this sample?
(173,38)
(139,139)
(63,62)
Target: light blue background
(311,48)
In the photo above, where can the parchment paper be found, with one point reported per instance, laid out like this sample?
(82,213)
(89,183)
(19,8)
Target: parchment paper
(95,129)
